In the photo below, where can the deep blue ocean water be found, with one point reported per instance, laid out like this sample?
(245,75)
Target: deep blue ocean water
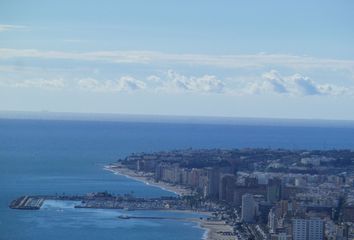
(48,157)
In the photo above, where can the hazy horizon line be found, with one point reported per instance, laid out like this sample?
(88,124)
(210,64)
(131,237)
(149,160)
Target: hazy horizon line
(160,118)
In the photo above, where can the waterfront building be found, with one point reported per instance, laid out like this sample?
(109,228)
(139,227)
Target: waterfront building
(272,221)
(280,236)
(274,190)
(348,213)
(194,177)
(227,185)
(263,211)
(213,178)
(240,190)
(307,229)
(249,208)
(299,181)
(148,164)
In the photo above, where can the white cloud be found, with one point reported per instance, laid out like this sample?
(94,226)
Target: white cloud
(205,83)
(304,85)
(153,78)
(296,84)
(173,82)
(274,82)
(90,84)
(221,61)
(331,89)
(7,27)
(35,83)
(125,83)
(129,83)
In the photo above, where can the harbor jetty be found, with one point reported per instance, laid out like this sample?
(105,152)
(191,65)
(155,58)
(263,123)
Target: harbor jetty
(27,203)
(36,202)
(105,200)
(126,217)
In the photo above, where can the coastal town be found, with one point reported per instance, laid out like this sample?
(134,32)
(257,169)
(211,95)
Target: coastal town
(272,194)
(241,194)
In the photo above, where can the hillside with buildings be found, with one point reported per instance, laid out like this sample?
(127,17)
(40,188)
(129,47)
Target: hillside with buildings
(262,193)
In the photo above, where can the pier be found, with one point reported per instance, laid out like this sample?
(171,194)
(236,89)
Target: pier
(160,218)
(27,203)
(35,202)
(104,200)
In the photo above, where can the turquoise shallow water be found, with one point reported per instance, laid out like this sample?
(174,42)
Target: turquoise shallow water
(48,157)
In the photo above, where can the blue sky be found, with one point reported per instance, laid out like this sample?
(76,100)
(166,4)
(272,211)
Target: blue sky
(277,59)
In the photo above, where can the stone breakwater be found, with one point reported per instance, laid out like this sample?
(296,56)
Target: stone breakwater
(104,200)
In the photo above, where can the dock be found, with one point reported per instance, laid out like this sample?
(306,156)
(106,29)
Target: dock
(104,200)
(35,202)
(27,203)
(125,217)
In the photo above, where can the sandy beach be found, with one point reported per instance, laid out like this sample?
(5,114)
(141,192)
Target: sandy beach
(147,179)
(217,230)
(214,229)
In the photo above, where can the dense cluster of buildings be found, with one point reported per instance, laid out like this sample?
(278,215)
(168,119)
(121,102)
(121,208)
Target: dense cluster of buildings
(275,194)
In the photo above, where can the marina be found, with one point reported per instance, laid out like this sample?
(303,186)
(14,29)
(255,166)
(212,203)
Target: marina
(27,203)
(104,200)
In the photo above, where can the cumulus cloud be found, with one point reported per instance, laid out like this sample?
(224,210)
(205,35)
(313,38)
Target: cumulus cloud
(293,84)
(173,81)
(274,82)
(271,82)
(205,83)
(304,85)
(125,83)
(296,84)
(153,78)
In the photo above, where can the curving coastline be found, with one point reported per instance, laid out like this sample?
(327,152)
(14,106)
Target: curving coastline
(212,229)
(118,169)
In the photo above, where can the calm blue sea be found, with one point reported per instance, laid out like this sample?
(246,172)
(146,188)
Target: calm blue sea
(48,157)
